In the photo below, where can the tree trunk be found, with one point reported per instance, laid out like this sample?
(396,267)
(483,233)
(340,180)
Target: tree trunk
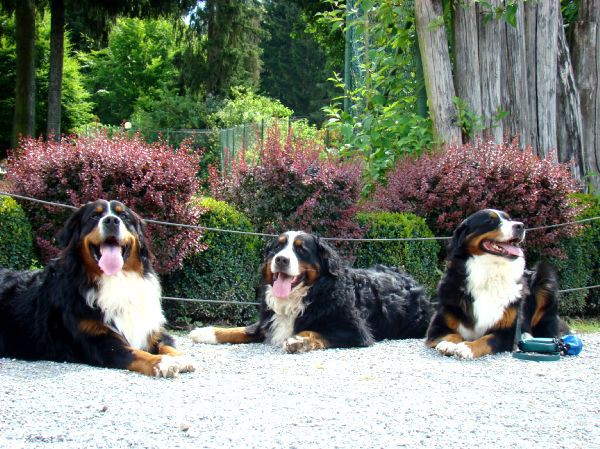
(489,71)
(437,71)
(57,34)
(530,38)
(24,118)
(586,65)
(542,23)
(569,127)
(515,95)
(466,57)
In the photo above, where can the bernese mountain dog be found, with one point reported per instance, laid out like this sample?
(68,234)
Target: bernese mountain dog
(309,300)
(486,286)
(97,303)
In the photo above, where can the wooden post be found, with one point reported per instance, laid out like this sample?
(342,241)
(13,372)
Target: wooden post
(569,126)
(433,44)
(586,65)
(515,94)
(489,70)
(466,56)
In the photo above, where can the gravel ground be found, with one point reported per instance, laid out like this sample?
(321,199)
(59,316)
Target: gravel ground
(393,394)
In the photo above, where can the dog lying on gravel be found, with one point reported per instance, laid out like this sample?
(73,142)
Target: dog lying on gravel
(486,286)
(98,303)
(309,300)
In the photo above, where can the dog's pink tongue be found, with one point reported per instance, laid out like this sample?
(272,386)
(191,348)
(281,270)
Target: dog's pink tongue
(513,250)
(282,286)
(111,260)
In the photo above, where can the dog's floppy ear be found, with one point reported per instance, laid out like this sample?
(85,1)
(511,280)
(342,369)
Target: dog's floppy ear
(71,230)
(330,260)
(458,238)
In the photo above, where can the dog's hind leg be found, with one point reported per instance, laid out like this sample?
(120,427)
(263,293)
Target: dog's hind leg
(235,335)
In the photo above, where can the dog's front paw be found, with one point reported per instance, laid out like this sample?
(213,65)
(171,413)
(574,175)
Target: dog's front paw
(463,351)
(171,366)
(297,345)
(204,335)
(186,364)
(446,347)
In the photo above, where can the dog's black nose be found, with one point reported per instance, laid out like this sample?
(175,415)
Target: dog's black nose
(282,261)
(518,229)
(111,224)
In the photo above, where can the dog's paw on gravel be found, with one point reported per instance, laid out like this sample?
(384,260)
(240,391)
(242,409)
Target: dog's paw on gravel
(463,351)
(171,366)
(204,335)
(297,345)
(446,348)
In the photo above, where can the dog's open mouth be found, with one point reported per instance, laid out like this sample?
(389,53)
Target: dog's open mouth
(284,283)
(508,249)
(110,255)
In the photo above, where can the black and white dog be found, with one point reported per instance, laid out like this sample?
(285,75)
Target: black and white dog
(486,286)
(98,303)
(309,300)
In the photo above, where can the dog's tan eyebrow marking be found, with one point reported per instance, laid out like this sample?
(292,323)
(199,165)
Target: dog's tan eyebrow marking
(118,208)
(282,239)
(493,214)
(99,209)
(298,243)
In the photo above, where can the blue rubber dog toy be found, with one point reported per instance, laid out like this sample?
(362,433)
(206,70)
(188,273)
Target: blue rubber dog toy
(572,344)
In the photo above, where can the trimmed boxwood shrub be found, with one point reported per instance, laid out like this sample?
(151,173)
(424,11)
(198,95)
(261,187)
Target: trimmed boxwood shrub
(16,238)
(578,265)
(227,270)
(418,258)
(581,267)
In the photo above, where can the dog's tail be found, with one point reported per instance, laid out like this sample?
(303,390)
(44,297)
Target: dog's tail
(541,309)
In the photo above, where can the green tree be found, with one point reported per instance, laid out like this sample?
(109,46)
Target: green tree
(290,53)
(230,34)
(24,105)
(138,62)
(76,105)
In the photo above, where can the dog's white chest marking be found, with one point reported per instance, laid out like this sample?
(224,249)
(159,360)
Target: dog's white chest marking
(494,283)
(286,311)
(131,305)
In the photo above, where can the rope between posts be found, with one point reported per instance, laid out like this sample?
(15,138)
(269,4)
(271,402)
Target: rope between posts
(340,239)
(232,231)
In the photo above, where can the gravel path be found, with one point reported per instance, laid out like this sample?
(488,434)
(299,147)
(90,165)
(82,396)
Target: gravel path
(393,394)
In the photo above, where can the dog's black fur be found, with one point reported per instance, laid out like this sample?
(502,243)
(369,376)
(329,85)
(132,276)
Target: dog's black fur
(53,314)
(477,254)
(339,306)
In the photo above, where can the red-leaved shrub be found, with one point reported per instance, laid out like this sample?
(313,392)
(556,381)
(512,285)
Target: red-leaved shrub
(293,186)
(155,180)
(446,187)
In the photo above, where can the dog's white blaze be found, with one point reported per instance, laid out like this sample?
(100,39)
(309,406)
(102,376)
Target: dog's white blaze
(506,226)
(130,304)
(494,283)
(286,311)
(288,251)
(122,229)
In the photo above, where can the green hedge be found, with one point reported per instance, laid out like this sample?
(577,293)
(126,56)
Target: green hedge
(581,266)
(419,258)
(227,270)
(16,237)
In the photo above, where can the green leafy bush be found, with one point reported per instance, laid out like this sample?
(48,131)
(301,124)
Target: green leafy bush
(16,238)
(581,266)
(227,270)
(419,258)
(247,107)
